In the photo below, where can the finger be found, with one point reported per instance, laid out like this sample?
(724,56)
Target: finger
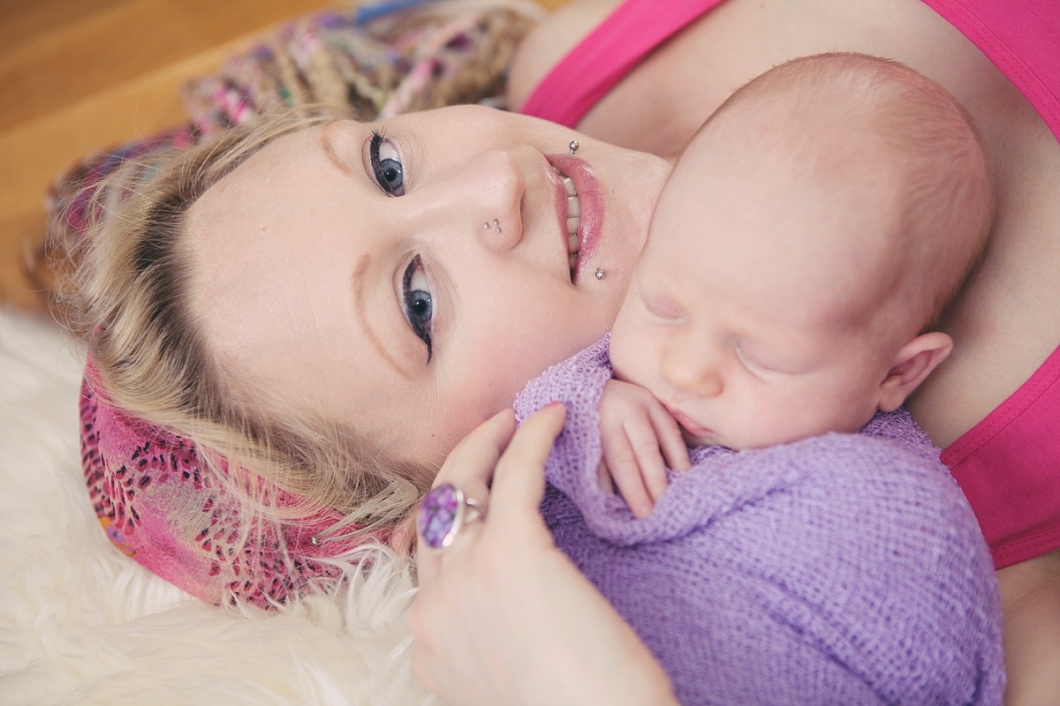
(519,483)
(428,566)
(649,458)
(431,563)
(469,467)
(622,463)
(670,439)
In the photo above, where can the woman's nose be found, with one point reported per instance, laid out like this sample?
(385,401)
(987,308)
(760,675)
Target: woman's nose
(495,186)
(692,369)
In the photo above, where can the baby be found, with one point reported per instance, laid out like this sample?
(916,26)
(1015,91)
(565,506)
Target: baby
(804,245)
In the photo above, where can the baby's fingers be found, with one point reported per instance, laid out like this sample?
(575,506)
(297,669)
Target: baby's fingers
(645,444)
(622,464)
(670,439)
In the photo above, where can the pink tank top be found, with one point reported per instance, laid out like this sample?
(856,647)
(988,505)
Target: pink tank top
(1009,463)
(610,52)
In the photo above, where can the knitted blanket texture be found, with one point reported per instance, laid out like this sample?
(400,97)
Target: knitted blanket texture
(843,569)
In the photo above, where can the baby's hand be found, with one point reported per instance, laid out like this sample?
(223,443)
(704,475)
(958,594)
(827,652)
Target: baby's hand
(634,426)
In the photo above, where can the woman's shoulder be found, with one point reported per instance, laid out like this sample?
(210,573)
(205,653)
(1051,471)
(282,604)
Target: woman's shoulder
(550,41)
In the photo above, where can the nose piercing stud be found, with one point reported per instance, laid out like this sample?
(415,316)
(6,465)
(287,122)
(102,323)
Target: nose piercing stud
(573,146)
(600,274)
(496,226)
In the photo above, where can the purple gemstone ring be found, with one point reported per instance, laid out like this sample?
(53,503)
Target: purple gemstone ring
(443,512)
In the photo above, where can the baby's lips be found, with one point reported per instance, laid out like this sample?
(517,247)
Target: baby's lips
(694,440)
(688,425)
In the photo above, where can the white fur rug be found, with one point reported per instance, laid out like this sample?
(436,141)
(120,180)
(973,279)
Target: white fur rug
(80,623)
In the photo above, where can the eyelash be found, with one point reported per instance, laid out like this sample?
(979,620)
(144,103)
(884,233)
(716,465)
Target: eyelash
(753,367)
(380,169)
(421,323)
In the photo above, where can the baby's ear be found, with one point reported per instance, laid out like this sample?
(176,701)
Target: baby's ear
(910,366)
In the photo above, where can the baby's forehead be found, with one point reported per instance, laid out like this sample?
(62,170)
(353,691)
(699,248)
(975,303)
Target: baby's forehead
(694,174)
(784,255)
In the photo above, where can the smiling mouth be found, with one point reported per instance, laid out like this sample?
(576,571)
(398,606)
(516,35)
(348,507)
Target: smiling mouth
(574,221)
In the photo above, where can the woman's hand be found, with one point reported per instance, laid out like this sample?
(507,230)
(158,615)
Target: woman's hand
(502,617)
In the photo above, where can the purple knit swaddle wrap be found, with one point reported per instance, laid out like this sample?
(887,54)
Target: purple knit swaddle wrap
(843,569)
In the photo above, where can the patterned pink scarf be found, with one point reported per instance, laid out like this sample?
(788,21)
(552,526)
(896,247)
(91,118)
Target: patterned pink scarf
(160,505)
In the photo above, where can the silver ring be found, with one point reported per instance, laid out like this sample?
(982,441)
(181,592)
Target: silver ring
(443,512)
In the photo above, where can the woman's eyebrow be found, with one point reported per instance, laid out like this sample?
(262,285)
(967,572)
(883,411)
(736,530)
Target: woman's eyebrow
(329,150)
(357,280)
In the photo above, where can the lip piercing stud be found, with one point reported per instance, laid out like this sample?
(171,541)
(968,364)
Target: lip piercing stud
(496,226)
(600,274)
(573,146)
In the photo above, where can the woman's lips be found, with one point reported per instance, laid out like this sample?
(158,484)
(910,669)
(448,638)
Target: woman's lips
(591,203)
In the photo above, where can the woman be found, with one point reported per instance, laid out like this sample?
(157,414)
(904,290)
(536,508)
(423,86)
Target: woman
(302,295)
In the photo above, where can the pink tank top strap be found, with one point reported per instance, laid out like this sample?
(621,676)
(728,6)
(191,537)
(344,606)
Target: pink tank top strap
(1009,468)
(1022,38)
(1009,463)
(610,52)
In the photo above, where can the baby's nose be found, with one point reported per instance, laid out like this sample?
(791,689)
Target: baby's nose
(692,371)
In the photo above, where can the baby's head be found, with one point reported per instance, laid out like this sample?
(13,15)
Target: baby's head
(806,242)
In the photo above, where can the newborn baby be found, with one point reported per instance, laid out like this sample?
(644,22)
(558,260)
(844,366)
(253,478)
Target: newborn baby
(805,243)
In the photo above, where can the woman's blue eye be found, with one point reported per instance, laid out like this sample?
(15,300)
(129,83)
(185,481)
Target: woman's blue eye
(389,172)
(419,306)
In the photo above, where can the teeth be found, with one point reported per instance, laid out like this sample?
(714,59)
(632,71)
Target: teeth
(574,206)
(574,220)
(574,209)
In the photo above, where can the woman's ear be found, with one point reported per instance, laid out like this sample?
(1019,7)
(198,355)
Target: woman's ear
(910,366)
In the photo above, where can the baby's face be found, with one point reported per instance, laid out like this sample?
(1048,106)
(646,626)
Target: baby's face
(741,315)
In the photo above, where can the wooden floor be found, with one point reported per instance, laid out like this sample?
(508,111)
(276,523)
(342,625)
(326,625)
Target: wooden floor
(81,75)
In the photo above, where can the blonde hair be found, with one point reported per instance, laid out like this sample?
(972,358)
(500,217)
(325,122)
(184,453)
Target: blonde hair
(125,291)
(122,280)
(946,190)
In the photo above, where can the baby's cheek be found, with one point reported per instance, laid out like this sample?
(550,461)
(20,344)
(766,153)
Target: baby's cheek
(631,357)
(618,351)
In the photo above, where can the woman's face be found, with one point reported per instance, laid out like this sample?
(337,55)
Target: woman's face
(409,277)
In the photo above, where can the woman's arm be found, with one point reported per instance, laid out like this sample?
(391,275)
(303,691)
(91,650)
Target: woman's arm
(502,616)
(1030,601)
